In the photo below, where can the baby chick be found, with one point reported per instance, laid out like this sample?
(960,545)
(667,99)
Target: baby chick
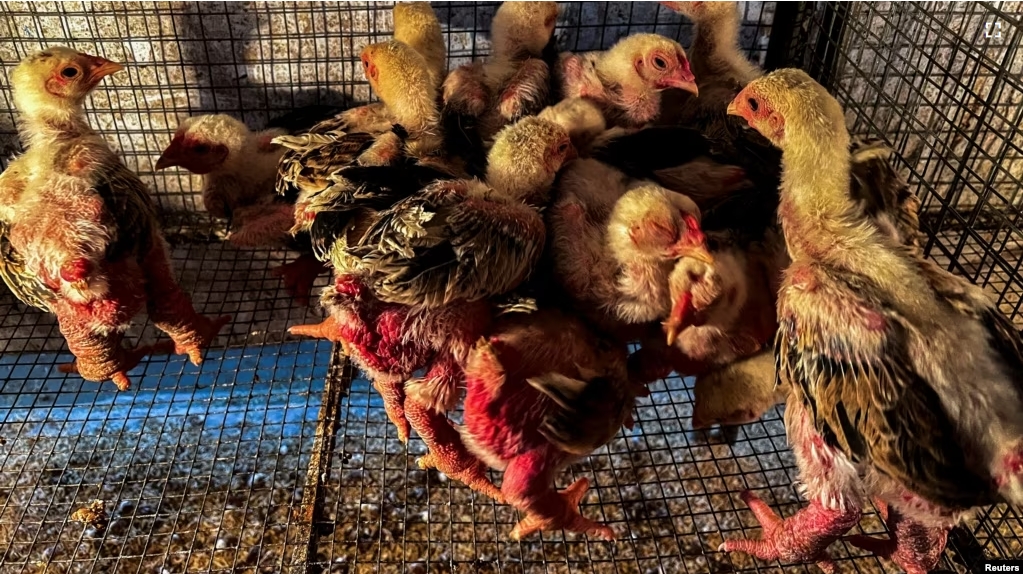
(437,286)
(905,379)
(83,231)
(737,393)
(627,80)
(514,380)
(515,80)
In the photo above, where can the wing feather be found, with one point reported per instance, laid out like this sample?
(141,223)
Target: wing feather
(448,245)
(874,406)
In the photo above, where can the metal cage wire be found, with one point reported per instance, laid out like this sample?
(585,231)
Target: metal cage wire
(274,456)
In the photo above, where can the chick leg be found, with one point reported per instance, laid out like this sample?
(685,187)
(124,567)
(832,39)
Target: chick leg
(261,225)
(912,546)
(171,310)
(392,391)
(446,451)
(95,330)
(100,358)
(526,92)
(803,537)
(299,276)
(528,484)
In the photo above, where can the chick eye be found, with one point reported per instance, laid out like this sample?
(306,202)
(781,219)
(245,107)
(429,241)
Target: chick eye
(201,149)
(563,147)
(69,72)
(753,104)
(659,63)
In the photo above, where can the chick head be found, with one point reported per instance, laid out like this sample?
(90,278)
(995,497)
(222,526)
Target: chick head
(583,119)
(651,223)
(525,158)
(57,79)
(401,78)
(522,29)
(203,143)
(787,102)
(693,278)
(651,60)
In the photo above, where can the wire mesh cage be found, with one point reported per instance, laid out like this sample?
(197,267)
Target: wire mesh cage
(274,456)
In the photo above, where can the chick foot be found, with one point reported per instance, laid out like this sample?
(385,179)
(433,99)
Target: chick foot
(803,537)
(328,329)
(124,360)
(567,518)
(446,451)
(261,225)
(299,276)
(393,393)
(196,340)
(910,545)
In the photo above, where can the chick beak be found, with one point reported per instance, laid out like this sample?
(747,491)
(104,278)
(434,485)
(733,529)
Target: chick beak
(170,157)
(677,319)
(684,85)
(732,109)
(682,79)
(100,68)
(698,252)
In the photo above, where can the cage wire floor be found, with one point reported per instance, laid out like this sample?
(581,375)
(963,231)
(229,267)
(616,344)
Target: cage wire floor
(274,456)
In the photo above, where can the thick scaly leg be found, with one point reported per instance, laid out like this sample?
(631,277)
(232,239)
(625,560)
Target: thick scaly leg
(171,310)
(446,451)
(95,357)
(299,276)
(528,484)
(803,537)
(262,225)
(392,391)
(912,546)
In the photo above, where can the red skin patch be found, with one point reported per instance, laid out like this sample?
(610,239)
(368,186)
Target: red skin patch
(1012,467)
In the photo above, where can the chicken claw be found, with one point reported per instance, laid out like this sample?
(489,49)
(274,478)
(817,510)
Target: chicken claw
(299,276)
(200,339)
(446,451)
(570,520)
(474,475)
(392,391)
(803,537)
(131,359)
(328,329)
(912,546)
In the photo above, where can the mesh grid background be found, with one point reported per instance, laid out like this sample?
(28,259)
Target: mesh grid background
(273,457)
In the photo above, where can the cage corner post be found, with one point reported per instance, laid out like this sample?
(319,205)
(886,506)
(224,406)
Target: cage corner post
(785,28)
